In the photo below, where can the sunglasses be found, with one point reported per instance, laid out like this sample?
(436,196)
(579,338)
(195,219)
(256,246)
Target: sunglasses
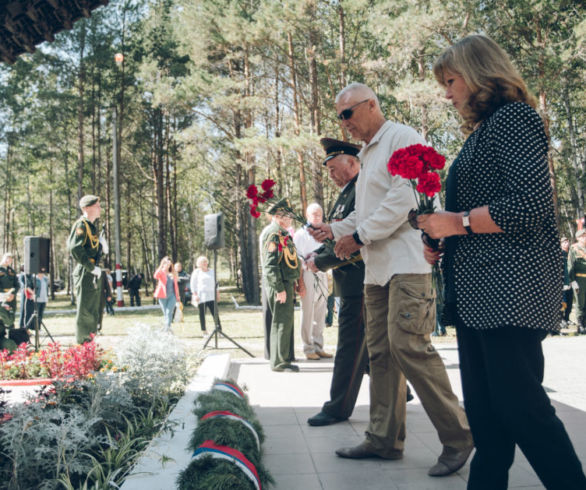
(347,113)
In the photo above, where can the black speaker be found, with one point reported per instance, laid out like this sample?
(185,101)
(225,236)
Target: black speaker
(36,254)
(214,231)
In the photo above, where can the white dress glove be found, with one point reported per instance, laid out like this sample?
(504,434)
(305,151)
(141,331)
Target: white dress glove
(97,271)
(104,243)
(575,286)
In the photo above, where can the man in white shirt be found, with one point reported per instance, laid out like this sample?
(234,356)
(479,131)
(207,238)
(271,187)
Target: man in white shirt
(399,298)
(314,303)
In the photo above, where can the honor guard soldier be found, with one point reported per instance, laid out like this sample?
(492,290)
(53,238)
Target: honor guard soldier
(282,275)
(85,247)
(577,274)
(8,289)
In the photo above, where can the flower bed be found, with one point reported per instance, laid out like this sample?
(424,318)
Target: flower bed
(54,362)
(87,432)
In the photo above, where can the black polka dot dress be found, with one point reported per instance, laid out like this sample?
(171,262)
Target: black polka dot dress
(512,278)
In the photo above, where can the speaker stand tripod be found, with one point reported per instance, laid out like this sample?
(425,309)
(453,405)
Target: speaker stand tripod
(35,317)
(217,328)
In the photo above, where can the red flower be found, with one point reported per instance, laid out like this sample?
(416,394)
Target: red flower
(252,192)
(429,184)
(254,212)
(268,194)
(267,185)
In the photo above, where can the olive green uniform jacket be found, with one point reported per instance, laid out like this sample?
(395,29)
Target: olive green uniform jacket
(85,249)
(8,283)
(281,268)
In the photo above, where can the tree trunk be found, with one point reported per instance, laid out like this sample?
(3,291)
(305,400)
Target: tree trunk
(80,115)
(578,170)
(316,166)
(297,119)
(158,178)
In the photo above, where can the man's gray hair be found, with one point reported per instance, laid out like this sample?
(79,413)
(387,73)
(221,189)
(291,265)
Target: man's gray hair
(312,207)
(361,88)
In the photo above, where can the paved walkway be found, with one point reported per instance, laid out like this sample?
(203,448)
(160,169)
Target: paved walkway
(302,457)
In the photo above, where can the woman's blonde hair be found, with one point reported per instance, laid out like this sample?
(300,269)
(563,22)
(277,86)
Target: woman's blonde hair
(170,267)
(489,75)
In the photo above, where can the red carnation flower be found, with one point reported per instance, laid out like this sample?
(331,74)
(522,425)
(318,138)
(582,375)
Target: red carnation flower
(268,194)
(267,184)
(429,184)
(254,212)
(252,192)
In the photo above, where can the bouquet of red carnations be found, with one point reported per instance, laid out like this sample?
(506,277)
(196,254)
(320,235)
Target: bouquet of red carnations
(418,164)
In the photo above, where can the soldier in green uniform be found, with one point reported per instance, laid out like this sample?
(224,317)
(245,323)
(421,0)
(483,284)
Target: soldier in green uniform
(577,275)
(85,247)
(281,275)
(8,289)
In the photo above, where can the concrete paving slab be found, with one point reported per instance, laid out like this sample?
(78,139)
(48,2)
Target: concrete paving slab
(300,456)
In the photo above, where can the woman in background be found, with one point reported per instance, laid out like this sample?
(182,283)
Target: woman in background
(167,290)
(202,288)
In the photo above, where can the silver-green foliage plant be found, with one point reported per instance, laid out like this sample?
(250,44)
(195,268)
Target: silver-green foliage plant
(89,432)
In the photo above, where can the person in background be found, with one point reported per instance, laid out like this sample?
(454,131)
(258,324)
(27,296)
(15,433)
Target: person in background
(167,290)
(577,276)
(27,299)
(134,289)
(8,288)
(85,246)
(41,293)
(108,292)
(183,278)
(568,296)
(314,303)
(281,269)
(203,288)
(267,317)
(502,267)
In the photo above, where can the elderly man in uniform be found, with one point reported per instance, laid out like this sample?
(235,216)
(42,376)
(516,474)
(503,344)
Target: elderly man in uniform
(8,288)
(398,294)
(577,275)
(85,247)
(351,356)
(281,268)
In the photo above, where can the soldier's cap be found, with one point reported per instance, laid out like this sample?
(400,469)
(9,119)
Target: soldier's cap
(282,205)
(334,148)
(579,233)
(88,200)
(564,239)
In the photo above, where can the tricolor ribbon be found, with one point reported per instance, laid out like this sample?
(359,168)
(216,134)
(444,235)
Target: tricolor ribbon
(230,388)
(210,448)
(225,414)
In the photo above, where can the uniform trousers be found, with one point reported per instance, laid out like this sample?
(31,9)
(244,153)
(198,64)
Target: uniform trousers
(581,297)
(313,311)
(502,372)
(88,290)
(267,319)
(400,317)
(350,361)
(281,327)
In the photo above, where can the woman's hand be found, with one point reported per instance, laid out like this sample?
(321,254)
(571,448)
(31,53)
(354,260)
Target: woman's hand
(432,256)
(441,224)
(281,297)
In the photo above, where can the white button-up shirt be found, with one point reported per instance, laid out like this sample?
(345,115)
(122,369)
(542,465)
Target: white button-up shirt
(383,202)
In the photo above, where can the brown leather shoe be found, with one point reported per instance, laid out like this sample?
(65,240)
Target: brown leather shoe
(312,356)
(365,450)
(324,354)
(450,461)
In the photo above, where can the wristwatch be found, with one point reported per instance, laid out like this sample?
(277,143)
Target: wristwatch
(357,238)
(466,222)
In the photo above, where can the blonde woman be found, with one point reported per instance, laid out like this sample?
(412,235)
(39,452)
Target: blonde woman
(203,285)
(502,267)
(167,290)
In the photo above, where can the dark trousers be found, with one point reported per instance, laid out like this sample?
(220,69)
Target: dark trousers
(134,296)
(27,308)
(202,314)
(330,312)
(506,405)
(40,310)
(350,361)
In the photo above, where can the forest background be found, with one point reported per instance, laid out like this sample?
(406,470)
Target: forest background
(214,95)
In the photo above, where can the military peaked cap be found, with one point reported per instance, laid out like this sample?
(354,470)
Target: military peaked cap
(334,148)
(282,205)
(88,200)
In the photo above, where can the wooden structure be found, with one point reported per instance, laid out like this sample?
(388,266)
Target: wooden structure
(26,23)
